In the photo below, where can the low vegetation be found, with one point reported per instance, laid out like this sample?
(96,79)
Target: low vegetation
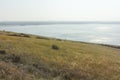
(55,47)
(31,57)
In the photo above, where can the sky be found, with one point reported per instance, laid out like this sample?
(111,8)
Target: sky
(59,10)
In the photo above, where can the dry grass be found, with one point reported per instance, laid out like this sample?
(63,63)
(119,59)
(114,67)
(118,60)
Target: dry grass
(73,60)
(9,71)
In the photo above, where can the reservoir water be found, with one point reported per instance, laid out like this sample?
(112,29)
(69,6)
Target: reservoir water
(94,33)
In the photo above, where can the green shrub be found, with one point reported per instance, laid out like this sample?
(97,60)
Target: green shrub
(55,47)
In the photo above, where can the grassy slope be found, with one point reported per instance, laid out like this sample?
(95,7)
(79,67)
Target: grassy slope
(72,61)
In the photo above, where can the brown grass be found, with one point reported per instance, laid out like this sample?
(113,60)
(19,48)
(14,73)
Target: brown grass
(73,60)
(9,71)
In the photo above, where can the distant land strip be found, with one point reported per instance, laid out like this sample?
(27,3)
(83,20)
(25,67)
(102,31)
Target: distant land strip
(55,22)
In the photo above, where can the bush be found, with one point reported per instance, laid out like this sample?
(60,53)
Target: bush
(55,47)
(19,35)
(40,37)
(2,52)
(24,35)
(11,58)
(15,58)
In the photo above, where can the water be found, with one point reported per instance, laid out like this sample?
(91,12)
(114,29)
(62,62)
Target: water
(94,33)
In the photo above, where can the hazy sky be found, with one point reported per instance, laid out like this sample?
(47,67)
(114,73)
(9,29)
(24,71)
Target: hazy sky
(59,10)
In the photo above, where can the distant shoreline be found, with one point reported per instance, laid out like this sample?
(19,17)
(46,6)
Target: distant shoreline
(44,37)
(108,45)
(55,22)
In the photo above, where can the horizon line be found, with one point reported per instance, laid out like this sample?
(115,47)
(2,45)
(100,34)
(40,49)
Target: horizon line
(55,22)
(59,21)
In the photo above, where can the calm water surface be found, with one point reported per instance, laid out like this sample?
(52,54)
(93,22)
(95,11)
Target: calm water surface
(95,33)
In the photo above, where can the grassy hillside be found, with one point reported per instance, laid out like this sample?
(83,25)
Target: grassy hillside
(30,57)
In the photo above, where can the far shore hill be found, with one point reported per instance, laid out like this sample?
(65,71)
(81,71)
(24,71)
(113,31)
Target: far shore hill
(32,57)
(55,22)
